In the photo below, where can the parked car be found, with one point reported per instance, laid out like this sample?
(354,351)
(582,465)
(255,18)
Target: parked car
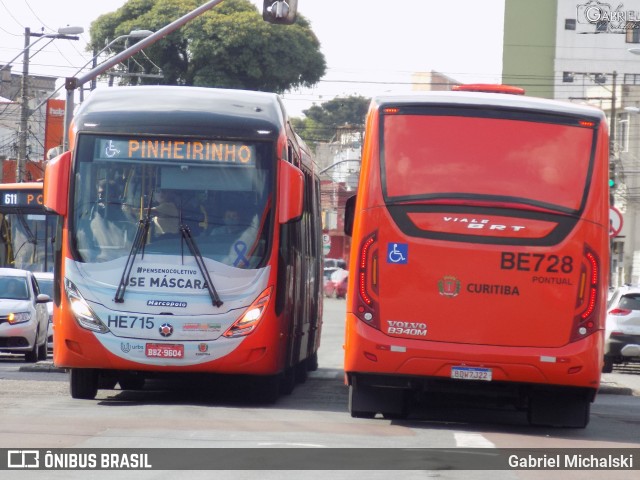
(622,332)
(336,285)
(23,315)
(45,282)
(334,263)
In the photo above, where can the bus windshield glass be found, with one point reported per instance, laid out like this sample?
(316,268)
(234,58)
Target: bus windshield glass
(219,190)
(461,156)
(25,239)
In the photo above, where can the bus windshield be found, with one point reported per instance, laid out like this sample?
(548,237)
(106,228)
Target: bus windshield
(449,156)
(220,190)
(25,240)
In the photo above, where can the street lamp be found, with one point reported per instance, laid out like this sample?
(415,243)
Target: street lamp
(63,33)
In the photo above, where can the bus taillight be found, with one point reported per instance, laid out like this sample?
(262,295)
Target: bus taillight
(586,322)
(367,281)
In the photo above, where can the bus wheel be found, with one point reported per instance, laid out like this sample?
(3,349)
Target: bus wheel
(301,371)
(268,388)
(83,383)
(312,362)
(288,381)
(559,409)
(359,403)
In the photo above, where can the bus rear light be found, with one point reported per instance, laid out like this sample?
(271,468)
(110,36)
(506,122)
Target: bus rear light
(587,321)
(367,281)
(371,356)
(249,320)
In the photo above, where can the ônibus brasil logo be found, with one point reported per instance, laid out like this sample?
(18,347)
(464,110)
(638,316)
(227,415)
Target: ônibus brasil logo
(449,286)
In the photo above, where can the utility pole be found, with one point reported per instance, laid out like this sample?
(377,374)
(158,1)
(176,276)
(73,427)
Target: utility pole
(23,133)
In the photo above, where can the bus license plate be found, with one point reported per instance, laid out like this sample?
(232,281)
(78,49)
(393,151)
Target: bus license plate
(471,373)
(163,350)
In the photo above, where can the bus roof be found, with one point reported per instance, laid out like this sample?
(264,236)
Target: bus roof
(182,111)
(492,100)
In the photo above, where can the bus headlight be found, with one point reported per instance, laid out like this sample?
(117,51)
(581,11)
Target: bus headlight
(81,310)
(248,321)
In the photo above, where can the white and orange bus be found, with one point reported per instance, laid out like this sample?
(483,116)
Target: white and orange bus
(191,240)
(479,254)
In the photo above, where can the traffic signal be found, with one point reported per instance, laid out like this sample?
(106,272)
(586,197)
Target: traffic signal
(612,177)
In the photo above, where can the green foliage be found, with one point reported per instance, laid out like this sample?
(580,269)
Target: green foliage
(321,122)
(229,46)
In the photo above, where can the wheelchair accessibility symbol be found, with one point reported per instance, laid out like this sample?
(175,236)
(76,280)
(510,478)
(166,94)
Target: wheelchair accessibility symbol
(397,253)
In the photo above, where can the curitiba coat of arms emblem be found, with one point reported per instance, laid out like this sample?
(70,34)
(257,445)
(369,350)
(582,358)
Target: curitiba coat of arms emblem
(449,286)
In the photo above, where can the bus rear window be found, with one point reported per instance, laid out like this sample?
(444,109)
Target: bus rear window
(427,156)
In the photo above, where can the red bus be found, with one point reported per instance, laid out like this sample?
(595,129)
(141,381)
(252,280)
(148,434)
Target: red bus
(479,255)
(191,240)
(26,228)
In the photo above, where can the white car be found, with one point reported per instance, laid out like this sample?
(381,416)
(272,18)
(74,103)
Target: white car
(622,332)
(23,315)
(45,282)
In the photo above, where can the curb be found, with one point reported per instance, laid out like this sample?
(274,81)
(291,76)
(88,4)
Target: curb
(42,367)
(614,389)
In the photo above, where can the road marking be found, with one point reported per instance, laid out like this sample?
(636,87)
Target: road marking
(472,440)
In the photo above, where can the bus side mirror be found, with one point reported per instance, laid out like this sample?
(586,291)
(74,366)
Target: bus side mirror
(56,184)
(279,11)
(291,191)
(349,213)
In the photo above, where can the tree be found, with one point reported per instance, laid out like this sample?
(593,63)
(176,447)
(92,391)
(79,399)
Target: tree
(321,122)
(229,46)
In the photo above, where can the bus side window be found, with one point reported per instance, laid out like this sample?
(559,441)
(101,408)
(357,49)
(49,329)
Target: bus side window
(349,213)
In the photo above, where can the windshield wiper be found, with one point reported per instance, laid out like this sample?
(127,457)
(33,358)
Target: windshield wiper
(195,251)
(139,242)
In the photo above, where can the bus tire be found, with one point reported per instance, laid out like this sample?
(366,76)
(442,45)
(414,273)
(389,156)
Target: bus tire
(360,403)
(301,371)
(557,409)
(269,389)
(288,381)
(312,362)
(83,383)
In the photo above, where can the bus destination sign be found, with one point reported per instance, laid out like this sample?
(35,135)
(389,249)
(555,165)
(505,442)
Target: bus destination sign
(18,198)
(217,152)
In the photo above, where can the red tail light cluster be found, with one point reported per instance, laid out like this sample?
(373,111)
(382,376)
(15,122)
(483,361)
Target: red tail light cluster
(587,321)
(367,276)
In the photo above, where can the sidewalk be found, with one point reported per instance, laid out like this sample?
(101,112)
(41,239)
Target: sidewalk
(623,380)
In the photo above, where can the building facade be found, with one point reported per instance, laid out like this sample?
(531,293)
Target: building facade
(584,52)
